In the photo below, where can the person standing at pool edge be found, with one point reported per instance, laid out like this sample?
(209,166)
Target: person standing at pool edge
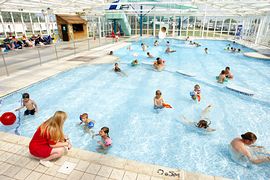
(241,148)
(49,141)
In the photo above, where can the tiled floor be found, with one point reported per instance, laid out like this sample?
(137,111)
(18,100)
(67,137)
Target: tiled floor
(16,163)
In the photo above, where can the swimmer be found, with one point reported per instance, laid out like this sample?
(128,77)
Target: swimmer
(159,64)
(168,50)
(87,122)
(135,62)
(190,43)
(158,100)
(228,73)
(203,123)
(118,70)
(149,55)
(206,50)
(144,47)
(221,77)
(106,141)
(156,43)
(168,43)
(196,94)
(31,106)
(111,53)
(238,50)
(242,148)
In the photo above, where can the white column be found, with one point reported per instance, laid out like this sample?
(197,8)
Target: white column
(147,30)
(194,25)
(222,28)
(207,30)
(174,23)
(181,23)
(187,26)
(33,32)
(229,29)
(215,26)
(260,29)
(47,24)
(99,27)
(13,23)
(40,28)
(154,26)
(3,26)
(23,25)
(204,20)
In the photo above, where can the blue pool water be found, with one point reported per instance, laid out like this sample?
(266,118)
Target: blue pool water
(125,105)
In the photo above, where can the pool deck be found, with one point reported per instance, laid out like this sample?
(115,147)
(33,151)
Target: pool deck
(16,163)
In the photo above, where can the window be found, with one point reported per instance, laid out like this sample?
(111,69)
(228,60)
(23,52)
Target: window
(77,27)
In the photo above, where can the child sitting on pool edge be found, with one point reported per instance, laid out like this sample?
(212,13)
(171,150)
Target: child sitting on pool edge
(106,140)
(196,93)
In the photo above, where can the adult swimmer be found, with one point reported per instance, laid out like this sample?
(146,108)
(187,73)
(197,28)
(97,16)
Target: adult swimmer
(243,150)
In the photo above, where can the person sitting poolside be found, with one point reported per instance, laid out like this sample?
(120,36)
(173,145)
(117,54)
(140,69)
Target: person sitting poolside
(111,53)
(150,55)
(187,38)
(204,121)
(228,73)
(134,63)
(168,50)
(159,64)
(221,78)
(243,151)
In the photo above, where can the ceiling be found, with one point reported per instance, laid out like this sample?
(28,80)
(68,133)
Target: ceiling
(158,7)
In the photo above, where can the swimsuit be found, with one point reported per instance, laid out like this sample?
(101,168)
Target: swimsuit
(27,112)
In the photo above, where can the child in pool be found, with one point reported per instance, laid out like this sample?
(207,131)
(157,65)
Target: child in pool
(144,47)
(150,55)
(168,50)
(134,63)
(196,94)
(203,123)
(206,50)
(88,122)
(228,73)
(156,43)
(118,70)
(31,106)
(221,77)
(106,140)
(158,100)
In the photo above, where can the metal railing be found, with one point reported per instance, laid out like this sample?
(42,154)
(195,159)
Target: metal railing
(23,59)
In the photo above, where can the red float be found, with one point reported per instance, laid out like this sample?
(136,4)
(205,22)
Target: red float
(8,118)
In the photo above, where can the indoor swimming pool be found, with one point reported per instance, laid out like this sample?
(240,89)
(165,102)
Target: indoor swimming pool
(125,105)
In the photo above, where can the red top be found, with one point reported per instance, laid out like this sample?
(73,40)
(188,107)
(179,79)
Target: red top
(40,145)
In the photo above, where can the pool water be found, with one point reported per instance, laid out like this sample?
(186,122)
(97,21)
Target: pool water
(125,105)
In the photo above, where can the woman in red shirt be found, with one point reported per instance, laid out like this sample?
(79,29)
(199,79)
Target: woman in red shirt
(49,141)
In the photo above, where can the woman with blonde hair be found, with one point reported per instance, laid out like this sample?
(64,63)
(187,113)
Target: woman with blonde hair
(49,141)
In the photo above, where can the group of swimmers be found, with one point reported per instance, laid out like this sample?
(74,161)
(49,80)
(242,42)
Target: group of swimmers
(225,75)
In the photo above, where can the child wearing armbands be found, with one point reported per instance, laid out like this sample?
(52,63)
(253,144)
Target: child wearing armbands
(89,123)
(196,93)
